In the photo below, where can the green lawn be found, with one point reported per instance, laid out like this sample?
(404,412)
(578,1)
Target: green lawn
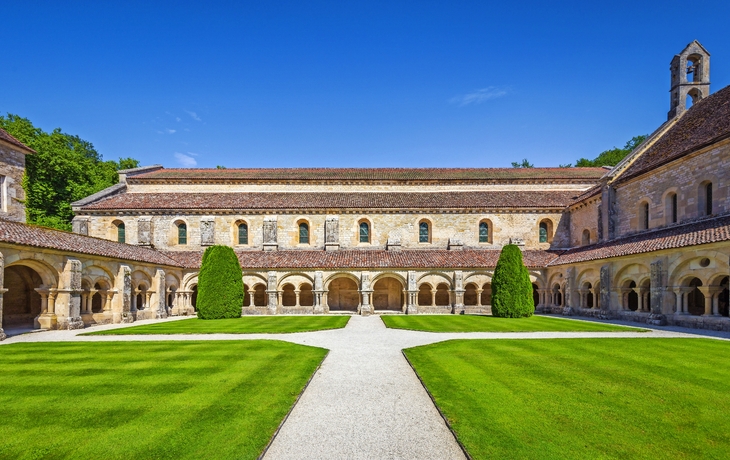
(243,325)
(174,400)
(475,323)
(582,398)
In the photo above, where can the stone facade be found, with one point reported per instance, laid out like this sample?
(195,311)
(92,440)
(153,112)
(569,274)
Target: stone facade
(12,168)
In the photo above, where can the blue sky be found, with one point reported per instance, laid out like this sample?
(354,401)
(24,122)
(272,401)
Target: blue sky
(348,84)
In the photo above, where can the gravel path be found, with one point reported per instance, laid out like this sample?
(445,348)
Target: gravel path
(365,401)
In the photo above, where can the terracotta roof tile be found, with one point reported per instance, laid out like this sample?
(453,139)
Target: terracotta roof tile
(703,124)
(358,200)
(41,237)
(706,231)
(372,259)
(372,174)
(5,136)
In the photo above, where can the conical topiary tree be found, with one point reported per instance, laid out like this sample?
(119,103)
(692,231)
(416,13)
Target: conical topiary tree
(220,284)
(511,286)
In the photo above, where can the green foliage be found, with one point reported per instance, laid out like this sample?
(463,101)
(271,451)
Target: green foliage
(220,284)
(511,286)
(65,169)
(613,156)
(523,164)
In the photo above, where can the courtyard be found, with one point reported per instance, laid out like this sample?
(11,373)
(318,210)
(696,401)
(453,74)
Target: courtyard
(561,388)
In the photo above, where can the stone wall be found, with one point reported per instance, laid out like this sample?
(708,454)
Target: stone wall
(403,226)
(683,177)
(12,167)
(584,217)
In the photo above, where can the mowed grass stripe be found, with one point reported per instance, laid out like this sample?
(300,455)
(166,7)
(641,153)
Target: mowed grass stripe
(483,323)
(582,398)
(243,325)
(148,399)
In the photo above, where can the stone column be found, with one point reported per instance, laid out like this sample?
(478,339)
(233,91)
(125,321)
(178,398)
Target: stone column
(319,304)
(678,300)
(3,336)
(705,290)
(67,305)
(640,297)
(272,293)
(458,292)
(605,287)
(365,291)
(685,298)
(47,319)
(412,293)
(715,292)
(296,295)
(250,298)
(596,298)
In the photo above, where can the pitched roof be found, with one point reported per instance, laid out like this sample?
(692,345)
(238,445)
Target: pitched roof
(42,237)
(705,231)
(368,258)
(356,200)
(371,174)
(705,123)
(5,136)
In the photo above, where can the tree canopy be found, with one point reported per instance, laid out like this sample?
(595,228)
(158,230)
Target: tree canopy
(65,169)
(511,285)
(523,164)
(613,156)
(220,284)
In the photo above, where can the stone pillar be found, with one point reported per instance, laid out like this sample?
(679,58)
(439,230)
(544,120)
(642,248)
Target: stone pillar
(332,233)
(658,287)
(3,336)
(605,287)
(679,309)
(365,308)
(270,230)
(458,292)
(319,304)
(272,293)
(160,299)
(412,293)
(296,297)
(67,305)
(715,292)
(207,231)
(570,294)
(144,231)
(47,319)
(685,300)
(640,296)
(596,297)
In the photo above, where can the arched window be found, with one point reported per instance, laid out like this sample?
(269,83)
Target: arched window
(182,233)
(483,232)
(708,199)
(644,216)
(303,233)
(364,232)
(586,238)
(424,233)
(121,236)
(543,232)
(670,208)
(242,233)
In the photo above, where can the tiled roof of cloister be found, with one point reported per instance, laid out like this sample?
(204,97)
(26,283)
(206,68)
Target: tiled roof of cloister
(48,238)
(703,124)
(372,259)
(705,231)
(355,200)
(372,174)
(5,136)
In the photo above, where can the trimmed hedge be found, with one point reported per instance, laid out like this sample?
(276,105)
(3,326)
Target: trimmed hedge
(511,286)
(220,284)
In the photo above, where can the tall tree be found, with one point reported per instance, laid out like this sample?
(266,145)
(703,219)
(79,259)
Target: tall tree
(511,285)
(65,169)
(613,156)
(523,164)
(220,284)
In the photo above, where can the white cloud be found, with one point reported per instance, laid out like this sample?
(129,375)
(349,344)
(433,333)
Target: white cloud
(193,154)
(170,131)
(479,96)
(185,160)
(193,115)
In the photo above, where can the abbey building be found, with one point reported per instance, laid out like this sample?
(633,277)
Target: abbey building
(646,240)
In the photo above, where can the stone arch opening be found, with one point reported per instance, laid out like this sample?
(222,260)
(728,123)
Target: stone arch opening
(388,294)
(535,295)
(470,294)
(97,304)
(585,237)
(424,295)
(695,95)
(631,298)
(140,298)
(695,298)
(259,295)
(443,296)
(288,296)
(306,296)
(545,230)
(557,295)
(645,292)
(487,294)
(343,295)
(723,299)
(22,303)
(670,208)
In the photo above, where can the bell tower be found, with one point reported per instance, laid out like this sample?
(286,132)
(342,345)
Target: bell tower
(690,78)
